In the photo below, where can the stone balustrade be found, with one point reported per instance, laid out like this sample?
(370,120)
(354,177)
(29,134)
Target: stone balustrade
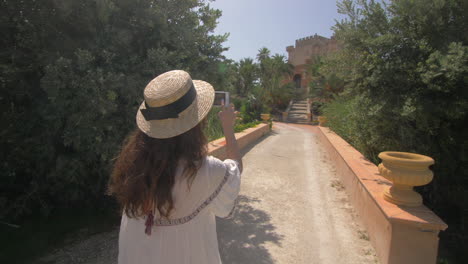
(399,234)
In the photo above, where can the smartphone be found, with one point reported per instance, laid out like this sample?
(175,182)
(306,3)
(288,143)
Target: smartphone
(220,98)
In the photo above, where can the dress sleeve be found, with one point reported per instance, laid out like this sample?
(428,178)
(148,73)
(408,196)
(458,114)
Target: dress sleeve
(227,191)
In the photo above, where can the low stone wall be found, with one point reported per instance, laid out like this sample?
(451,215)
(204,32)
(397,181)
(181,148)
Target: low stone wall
(400,235)
(217,147)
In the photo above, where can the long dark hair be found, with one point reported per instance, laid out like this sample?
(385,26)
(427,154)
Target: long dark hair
(144,172)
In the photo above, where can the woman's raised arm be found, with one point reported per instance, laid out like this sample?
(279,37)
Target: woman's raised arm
(228,118)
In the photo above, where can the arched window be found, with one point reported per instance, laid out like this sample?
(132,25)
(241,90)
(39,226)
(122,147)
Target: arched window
(297,80)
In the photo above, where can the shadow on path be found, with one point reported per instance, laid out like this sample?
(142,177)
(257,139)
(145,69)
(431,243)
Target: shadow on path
(250,146)
(242,238)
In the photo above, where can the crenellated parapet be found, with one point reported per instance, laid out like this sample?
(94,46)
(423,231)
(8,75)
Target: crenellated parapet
(308,47)
(311,40)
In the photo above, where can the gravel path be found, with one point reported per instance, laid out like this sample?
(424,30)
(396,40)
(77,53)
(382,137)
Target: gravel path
(292,209)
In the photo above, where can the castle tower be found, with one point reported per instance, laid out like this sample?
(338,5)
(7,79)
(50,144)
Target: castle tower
(302,53)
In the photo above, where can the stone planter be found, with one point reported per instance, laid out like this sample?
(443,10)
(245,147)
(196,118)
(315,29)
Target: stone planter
(405,170)
(265,117)
(322,120)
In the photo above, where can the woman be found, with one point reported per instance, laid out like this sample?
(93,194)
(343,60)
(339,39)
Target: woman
(169,189)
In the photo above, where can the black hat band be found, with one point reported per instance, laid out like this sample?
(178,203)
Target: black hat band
(171,110)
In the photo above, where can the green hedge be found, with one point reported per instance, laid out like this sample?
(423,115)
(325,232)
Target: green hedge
(405,66)
(73,74)
(242,127)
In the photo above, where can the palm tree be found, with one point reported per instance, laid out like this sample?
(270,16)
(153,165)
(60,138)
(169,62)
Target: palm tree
(263,53)
(272,71)
(281,70)
(282,66)
(248,74)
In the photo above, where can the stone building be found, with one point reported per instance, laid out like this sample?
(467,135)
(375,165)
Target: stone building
(301,54)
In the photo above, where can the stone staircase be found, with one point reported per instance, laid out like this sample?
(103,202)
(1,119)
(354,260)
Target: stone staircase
(298,112)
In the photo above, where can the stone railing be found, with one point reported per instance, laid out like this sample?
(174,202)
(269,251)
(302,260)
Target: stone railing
(399,234)
(217,147)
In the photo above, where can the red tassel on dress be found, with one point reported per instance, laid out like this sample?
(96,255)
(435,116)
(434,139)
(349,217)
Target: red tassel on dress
(149,223)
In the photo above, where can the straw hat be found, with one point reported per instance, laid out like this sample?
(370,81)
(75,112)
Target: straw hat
(174,103)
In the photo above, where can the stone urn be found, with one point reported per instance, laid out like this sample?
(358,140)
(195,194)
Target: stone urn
(265,117)
(405,170)
(322,120)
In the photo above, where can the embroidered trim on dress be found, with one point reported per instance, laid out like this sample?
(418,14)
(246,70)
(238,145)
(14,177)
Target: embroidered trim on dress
(183,220)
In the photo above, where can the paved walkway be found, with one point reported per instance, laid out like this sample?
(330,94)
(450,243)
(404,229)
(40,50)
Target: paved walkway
(292,209)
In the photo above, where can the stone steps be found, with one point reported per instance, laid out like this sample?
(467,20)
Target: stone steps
(299,108)
(298,112)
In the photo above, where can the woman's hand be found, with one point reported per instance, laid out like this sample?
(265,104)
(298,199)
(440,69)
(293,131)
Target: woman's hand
(227,116)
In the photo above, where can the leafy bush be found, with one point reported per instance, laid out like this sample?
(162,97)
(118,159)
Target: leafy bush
(404,66)
(317,108)
(350,118)
(281,98)
(251,109)
(213,129)
(73,74)
(238,102)
(241,127)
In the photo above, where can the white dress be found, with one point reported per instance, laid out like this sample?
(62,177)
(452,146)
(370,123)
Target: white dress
(189,236)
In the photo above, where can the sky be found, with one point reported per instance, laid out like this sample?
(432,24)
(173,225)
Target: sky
(274,24)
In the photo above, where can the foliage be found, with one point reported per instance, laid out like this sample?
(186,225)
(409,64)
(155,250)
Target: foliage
(238,101)
(405,66)
(241,127)
(262,83)
(38,235)
(324,82)
(251,108)
(213,129)
(281,97)
(248,71)
(227,76)
(272,71)
(317,108)
(73,73)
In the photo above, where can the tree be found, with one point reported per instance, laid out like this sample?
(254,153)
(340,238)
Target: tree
(247,74)
(272,71)
(404,64)
(324,84)
(263,54)
(73,74)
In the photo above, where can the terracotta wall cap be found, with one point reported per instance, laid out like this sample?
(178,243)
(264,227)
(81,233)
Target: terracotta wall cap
(368,176)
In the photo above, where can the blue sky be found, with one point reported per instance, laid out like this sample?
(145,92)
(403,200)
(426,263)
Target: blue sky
(275,24)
